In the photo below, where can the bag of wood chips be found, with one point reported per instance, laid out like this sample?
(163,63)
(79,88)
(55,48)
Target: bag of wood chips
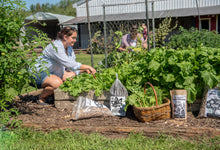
(87,108)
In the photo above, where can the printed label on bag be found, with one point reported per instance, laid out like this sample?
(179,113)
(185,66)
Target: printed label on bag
(90,103)
(212,107)
(179,103)
(117,105)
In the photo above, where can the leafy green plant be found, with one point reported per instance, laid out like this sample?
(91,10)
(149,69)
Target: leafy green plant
(14,48)
(86,82)
(98,44)
(189,69)
(162,32)
(141,99)
(118,39)
(194,38)
(116,58)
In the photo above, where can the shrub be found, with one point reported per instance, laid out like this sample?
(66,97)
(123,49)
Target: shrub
(162,32)
(14,47)
(194,38)
(98,43)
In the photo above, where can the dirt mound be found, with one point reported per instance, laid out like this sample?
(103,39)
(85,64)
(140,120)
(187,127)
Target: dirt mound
(49,117)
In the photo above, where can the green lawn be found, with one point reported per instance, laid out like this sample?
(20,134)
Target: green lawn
(86,59)
(25,139)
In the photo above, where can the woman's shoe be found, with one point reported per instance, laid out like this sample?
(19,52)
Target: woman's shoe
(42,103)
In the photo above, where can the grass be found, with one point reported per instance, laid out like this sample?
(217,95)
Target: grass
(24,139)
(86,59)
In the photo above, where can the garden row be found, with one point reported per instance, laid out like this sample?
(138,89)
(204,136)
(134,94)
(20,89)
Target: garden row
(191,69)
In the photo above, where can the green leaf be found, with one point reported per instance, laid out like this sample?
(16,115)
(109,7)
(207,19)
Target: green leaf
(179,84)
(132,99)
(209,78)
(191,93)
(169,77)
(188,80)
(154,65)
(172,60)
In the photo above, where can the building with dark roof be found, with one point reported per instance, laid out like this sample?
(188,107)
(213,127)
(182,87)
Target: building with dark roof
(126,12)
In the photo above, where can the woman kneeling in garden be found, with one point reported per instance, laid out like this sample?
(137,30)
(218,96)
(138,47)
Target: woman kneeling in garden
(59,59)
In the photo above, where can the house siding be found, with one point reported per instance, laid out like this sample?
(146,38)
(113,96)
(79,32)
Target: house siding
(96,6)
(213,26)
(213,23)
(218,26)
(187,21)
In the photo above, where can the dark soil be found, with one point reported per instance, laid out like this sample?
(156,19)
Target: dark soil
(49,117)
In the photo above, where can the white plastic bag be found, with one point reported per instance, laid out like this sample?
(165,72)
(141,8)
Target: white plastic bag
(117,100)
(87,108)
(118,88)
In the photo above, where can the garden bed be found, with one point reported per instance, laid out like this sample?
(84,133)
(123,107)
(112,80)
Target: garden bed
(49,118)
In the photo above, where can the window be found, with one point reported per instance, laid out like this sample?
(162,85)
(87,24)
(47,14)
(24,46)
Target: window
(205,23)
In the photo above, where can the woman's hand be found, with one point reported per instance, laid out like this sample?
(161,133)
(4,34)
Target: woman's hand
(68,74)
(122,49)
(91,70)
(88,69)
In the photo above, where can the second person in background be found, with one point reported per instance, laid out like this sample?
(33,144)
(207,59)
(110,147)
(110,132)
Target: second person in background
(131,39)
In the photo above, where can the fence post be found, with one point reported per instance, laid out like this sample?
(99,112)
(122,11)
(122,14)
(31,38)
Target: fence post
(153,23)
(90,38)
(197,6)
(147,22)
(105,36)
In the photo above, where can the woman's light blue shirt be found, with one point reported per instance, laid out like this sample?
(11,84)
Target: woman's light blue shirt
(55,59)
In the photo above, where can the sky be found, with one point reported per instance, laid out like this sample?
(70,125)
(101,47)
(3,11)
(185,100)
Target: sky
(29,2)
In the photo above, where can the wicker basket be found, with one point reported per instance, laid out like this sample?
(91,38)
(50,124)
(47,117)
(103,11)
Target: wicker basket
(145,114)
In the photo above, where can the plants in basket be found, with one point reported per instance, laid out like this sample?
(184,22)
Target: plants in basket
(150,104)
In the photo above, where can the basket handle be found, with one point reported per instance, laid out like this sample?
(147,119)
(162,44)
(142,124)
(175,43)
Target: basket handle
(155,94)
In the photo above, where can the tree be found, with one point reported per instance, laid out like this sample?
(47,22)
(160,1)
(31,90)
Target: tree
(64,7)
(32,8)
(38,7)
(14,63)
(43,6)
